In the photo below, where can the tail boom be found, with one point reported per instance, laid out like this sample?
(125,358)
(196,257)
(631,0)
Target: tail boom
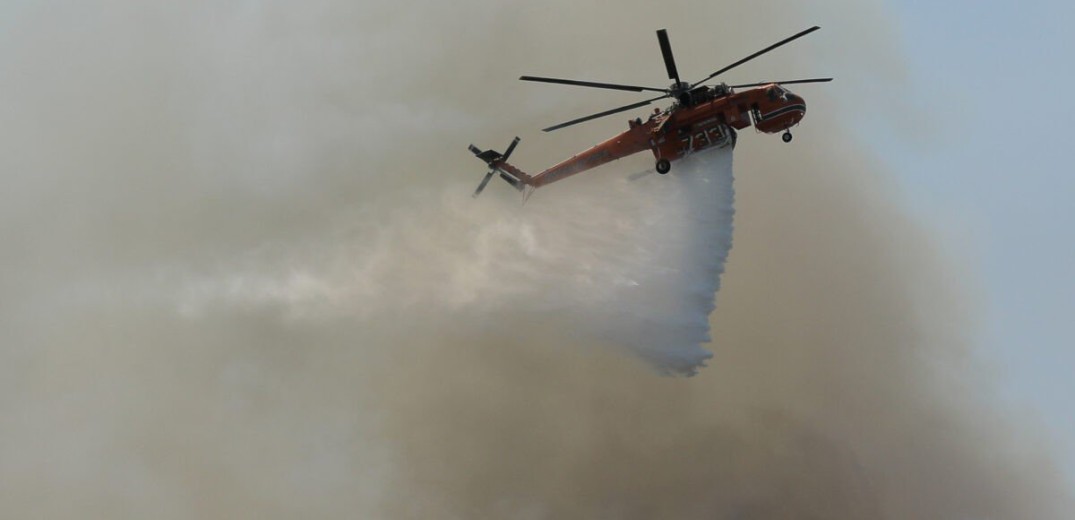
(514,176)
(635,140)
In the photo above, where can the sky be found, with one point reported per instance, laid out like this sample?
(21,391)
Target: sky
(990,170)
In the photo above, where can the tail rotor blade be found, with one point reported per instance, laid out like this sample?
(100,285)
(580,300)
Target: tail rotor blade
(511,148)
(666,51)
(484,182)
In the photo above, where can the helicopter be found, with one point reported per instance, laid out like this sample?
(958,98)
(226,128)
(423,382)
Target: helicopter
(701,117)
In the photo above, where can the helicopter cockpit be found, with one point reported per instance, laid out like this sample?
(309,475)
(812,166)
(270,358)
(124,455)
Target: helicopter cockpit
(776,92)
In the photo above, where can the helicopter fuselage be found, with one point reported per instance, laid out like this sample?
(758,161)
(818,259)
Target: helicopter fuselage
(709,121)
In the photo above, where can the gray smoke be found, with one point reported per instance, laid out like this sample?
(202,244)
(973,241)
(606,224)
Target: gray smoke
(238,245)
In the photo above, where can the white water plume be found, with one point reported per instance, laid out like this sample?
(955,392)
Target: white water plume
(631,261)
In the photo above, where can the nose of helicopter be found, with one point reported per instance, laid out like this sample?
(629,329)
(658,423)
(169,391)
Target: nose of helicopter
(798,103)
(784,112)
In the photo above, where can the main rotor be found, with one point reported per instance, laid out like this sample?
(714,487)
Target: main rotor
(681,91)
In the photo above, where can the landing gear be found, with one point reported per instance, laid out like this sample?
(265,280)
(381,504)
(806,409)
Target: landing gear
(786,137)
(663,165)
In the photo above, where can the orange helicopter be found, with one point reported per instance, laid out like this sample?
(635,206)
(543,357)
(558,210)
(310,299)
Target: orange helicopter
(701,117)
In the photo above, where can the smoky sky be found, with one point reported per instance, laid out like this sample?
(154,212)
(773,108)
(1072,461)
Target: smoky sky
(188,187)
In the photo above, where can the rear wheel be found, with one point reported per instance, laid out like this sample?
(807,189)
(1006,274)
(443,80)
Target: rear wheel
(786,137)
(663,166)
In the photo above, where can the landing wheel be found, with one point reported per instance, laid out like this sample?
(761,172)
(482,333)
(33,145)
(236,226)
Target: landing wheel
(786,137)
(663,165)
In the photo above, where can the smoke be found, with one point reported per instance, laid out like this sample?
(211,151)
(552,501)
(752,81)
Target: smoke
(245,278)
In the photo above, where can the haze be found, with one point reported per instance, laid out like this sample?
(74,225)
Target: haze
(191,190)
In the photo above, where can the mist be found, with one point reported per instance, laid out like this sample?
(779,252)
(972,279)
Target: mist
(245,278)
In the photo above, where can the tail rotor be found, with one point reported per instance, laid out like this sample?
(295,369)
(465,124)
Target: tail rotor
(494,159)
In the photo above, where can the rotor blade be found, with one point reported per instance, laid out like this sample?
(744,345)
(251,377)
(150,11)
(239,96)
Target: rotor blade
(603,114)
(790,82)
(483,183)
(511,148)
(612,86)
(785,41)
(666,51)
